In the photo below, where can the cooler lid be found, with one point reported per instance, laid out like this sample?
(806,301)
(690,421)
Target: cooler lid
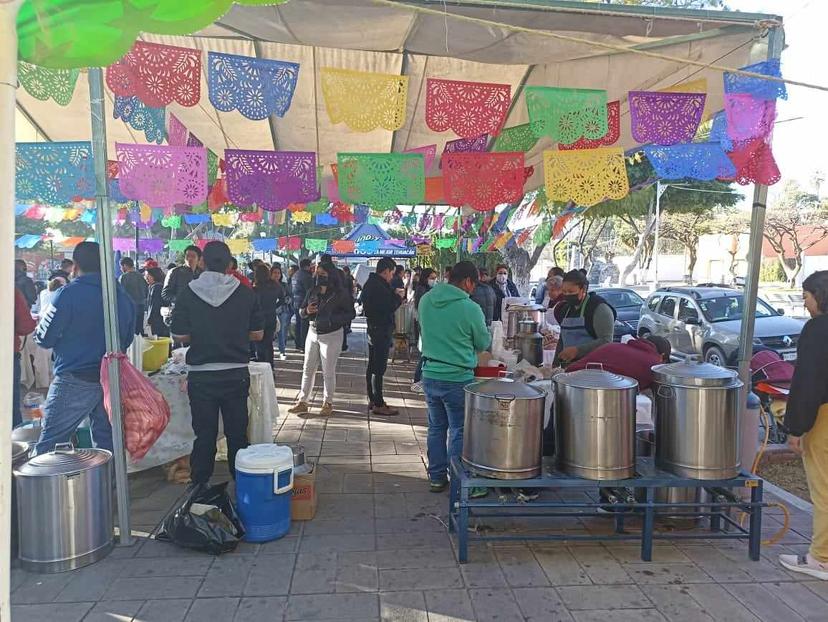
(65,458)
(264,458)
(595,379)
(694,373)
(505,387)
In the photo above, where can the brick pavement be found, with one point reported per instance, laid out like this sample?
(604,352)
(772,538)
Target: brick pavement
(378,549)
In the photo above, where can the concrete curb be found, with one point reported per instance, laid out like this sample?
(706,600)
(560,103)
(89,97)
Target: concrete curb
(790,499)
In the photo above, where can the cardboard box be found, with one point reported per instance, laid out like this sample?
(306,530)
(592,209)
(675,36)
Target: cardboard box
(303,503)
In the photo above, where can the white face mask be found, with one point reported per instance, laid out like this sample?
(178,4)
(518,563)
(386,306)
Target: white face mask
(501,278)
(431,282)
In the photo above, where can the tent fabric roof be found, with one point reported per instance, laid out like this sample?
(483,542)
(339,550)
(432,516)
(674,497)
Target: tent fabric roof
(365,36)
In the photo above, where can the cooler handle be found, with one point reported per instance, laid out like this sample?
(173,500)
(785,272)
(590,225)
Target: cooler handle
(289,486)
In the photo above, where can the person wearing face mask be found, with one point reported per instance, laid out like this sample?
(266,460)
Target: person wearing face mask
(328,309)
(586,320)
(806,421)
(379,302)
(485,296)
(503,288)
(428,278)
(453,333)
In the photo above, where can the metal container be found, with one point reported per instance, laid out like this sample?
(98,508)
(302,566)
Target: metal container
(26,434)
(515,314)
(644,441)
(65,509)
(696,411)
(595,424)
(402,319)
(20,453)
(503,433)
(529,342)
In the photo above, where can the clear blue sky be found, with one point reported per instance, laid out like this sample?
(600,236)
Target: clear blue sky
(800,146)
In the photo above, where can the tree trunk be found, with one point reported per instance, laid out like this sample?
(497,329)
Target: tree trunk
(518,261)
(692,253)
(792,273)
(639,249)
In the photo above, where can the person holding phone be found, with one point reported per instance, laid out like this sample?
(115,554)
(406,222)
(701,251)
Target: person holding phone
(327,308)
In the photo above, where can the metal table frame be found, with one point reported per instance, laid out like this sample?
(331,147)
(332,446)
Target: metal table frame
(722,525)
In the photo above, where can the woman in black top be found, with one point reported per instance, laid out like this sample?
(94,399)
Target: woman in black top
(806,419)
(270,297)
(284,310)
(155,280)
(328,309)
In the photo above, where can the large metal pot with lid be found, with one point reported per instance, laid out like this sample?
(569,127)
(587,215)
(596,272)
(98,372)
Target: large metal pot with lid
(697,419)
(595,424)
(64,508)
(503,431)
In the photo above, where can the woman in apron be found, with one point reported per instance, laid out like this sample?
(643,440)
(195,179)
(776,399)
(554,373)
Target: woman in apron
(587,320)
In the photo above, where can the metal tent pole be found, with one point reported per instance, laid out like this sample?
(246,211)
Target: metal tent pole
(776,40)
(8,84)
(660,188)
(109,291)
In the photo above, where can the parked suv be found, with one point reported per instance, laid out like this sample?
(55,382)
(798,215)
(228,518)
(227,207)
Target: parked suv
(707,321)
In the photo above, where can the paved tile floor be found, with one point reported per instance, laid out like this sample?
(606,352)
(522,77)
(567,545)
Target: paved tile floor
(378,549)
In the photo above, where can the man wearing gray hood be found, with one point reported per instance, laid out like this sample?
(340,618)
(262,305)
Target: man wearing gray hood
(218,319)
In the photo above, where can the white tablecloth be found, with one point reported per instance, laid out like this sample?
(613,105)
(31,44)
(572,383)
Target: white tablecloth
(177,439)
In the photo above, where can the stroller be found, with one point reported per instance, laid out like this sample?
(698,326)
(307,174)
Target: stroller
(771,378)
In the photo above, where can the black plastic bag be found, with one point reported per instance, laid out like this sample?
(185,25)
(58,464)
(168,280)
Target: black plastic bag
(215,531)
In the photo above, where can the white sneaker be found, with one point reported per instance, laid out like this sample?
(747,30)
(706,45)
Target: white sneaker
(417,387)
(283,357)
(806,565)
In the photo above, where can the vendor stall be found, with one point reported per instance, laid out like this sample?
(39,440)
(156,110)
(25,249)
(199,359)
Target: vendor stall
(177,439)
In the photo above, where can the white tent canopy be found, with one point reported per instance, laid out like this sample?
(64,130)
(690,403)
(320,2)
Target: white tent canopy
(367,36)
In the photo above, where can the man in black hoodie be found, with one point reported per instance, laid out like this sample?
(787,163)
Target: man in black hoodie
(218,318)
(379,301)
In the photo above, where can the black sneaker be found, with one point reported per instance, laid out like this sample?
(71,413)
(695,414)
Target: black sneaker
(437,485)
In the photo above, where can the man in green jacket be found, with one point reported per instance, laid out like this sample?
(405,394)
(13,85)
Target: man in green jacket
(453,332)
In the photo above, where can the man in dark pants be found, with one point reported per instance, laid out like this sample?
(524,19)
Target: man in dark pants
(301,283)
(135,285)
(379,301)
(218,318)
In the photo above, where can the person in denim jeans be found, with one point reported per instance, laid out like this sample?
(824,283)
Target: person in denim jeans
(73,328)
(453,333)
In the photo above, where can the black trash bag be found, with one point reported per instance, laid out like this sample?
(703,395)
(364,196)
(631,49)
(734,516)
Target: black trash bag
(215,531)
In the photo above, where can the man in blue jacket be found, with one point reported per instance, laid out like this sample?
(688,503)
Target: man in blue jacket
(74,330)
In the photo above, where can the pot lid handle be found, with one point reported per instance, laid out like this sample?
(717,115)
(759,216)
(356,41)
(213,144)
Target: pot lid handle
(64,448)
(595,366)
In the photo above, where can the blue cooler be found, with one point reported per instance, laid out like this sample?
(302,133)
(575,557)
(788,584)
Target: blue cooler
(264,488)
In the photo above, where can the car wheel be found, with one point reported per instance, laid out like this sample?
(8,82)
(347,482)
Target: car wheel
(715,356)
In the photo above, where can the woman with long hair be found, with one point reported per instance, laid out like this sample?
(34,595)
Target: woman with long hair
(428,278)
(328,309)
(269,296)
(284,310)
(806,419)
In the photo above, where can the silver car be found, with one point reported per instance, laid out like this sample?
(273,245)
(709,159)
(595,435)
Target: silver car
(707,321)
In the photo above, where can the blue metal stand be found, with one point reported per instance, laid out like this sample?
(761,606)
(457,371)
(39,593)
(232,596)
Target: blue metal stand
(722,525)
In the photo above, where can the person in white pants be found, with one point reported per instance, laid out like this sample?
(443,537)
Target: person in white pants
(325,349)
(328,308)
